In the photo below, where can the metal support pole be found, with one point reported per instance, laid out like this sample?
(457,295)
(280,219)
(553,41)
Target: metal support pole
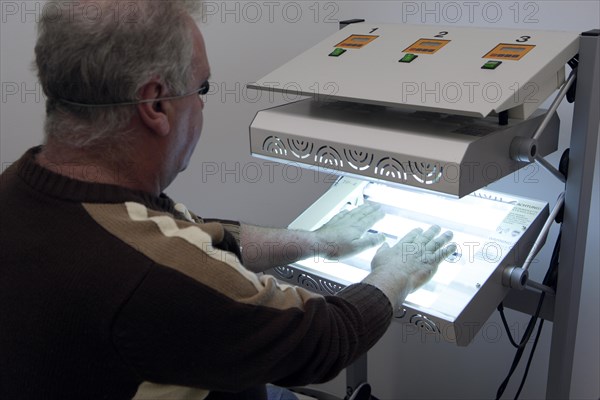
(584,137)
(550,168)
(557,100)
(539,243)
(356,374)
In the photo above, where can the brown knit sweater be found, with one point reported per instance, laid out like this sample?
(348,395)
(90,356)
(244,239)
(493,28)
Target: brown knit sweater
(102,288)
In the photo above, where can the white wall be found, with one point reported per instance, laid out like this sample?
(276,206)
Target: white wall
(246,40)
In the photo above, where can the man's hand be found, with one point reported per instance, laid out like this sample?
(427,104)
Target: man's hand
(346,234)
(407,266)
(343,236)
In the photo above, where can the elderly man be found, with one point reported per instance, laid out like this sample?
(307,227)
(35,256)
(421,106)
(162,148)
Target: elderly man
(106,283)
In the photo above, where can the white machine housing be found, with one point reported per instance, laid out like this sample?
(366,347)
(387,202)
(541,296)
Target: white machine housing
(432,122)
(447,75)
(444,153)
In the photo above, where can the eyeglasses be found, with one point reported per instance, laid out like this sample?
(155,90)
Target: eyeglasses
(204,88)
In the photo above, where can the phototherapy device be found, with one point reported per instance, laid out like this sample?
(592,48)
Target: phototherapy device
(420,120)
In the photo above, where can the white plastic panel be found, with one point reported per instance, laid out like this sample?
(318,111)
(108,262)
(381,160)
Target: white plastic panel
(449,78)
(438,152)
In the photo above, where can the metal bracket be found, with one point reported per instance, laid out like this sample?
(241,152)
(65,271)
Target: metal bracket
(525,149)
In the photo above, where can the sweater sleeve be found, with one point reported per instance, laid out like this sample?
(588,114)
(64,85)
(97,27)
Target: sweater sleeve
(175,330)
(199,318)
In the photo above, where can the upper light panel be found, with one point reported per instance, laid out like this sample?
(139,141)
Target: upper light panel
(456,70)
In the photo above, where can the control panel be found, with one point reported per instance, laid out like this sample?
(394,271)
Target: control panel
(455,70)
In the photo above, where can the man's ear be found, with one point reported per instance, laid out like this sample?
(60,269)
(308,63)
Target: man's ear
(152,113)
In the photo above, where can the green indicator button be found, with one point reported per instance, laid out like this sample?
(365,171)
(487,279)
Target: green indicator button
(337,52)
(491,64)
(408,58)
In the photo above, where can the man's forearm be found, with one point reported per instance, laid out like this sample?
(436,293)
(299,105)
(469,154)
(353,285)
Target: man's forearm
(345,235)
(264,248)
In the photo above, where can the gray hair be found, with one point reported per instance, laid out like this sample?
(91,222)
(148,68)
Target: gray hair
(103,52)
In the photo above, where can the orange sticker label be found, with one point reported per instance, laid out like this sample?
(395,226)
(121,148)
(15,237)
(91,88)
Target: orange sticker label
(356,41)
(509,51)
(426,46)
